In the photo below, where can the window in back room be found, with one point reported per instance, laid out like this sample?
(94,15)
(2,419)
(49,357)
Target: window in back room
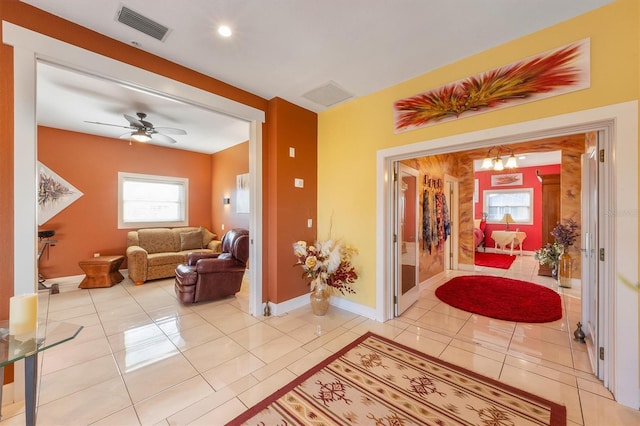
(517,202)
(152,201)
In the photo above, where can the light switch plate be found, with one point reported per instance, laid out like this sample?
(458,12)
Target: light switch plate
(309,223)
(292,152)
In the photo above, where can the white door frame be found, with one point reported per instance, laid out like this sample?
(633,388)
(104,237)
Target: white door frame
(404,301)
(451,252)
(592,283)
(620,122)
(29,46)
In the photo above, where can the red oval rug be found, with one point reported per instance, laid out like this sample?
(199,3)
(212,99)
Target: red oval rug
(502,298)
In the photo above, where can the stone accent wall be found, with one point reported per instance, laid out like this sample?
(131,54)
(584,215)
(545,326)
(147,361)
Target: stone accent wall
(460,165)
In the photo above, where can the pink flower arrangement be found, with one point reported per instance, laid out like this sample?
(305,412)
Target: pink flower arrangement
(327,263)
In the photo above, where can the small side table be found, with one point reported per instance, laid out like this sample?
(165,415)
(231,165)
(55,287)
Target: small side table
(12,350)
(504,239)
(101,271)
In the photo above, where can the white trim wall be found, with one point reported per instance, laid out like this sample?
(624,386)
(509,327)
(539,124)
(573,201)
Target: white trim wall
(622,375)
(29,47)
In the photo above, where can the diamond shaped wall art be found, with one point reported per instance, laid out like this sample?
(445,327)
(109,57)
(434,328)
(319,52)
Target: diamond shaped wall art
(54,194)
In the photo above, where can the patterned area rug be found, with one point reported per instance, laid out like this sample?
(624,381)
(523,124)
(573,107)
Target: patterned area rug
(375,381)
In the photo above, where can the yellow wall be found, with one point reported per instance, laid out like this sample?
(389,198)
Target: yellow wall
(350,134)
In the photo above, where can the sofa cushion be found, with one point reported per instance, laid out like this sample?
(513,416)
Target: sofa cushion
(207,236)
(191,240)
(157,240)
(158,259)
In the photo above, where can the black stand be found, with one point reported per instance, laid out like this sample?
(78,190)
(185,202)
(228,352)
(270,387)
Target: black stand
(45,242)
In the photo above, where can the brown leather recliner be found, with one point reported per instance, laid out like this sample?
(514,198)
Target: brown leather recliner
(211,276)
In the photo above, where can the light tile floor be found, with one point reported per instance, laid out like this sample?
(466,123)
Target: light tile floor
(143,358)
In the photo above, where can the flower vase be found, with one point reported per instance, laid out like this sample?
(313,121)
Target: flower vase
(554,271)
(565,269)
(320,298)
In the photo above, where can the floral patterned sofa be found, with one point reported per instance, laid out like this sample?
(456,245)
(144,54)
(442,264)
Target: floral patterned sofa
(154,253)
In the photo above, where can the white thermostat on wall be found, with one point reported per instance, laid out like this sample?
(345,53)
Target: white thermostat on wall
(298,183)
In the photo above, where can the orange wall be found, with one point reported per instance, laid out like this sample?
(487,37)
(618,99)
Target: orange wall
(297,125)
(91,164)
(289,207)
(39,21)
(225,166)
(6,194)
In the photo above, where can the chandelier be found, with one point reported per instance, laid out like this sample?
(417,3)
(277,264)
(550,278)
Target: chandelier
(496,161)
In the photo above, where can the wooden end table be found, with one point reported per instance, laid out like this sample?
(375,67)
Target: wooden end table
(101,271)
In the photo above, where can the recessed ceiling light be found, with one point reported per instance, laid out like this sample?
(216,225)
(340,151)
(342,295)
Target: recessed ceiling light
(224,31)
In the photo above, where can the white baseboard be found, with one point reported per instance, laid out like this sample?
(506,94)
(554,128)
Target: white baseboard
(289,305)
(8,394)
(338,302)
(436,278)
(354,308)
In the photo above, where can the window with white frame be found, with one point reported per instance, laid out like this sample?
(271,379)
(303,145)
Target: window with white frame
(152,201)
(517,202)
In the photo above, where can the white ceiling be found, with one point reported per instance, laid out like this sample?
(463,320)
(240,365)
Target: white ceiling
(89,98)
(283,48)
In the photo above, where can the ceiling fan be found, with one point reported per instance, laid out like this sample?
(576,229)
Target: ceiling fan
(144,131)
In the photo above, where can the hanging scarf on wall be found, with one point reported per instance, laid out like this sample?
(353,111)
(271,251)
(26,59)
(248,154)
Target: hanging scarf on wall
(447,220)
(426,230)
(436,223)
(439,217)
(434,219)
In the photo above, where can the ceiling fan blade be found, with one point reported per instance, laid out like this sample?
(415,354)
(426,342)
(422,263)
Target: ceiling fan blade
(134,121)
(170,131)
(159,137)
(125,136)
(108,124)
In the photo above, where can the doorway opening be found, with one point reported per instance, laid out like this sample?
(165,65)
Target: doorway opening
(470,192)
(619,125)
(406,237)
(32,46)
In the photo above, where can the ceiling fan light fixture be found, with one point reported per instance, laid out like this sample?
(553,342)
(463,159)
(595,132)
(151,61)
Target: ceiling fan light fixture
(141,130)
(140,136)
(512,163)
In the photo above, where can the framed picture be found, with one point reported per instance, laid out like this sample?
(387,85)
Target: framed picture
(511,179)
(242,193)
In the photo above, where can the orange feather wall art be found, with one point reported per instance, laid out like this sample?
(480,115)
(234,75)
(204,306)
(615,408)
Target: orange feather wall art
(552,73)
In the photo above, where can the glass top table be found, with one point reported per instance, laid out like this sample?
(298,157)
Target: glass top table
(15,348)
(47,336)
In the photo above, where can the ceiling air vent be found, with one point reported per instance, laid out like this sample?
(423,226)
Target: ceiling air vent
(327,95)
(141,23)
